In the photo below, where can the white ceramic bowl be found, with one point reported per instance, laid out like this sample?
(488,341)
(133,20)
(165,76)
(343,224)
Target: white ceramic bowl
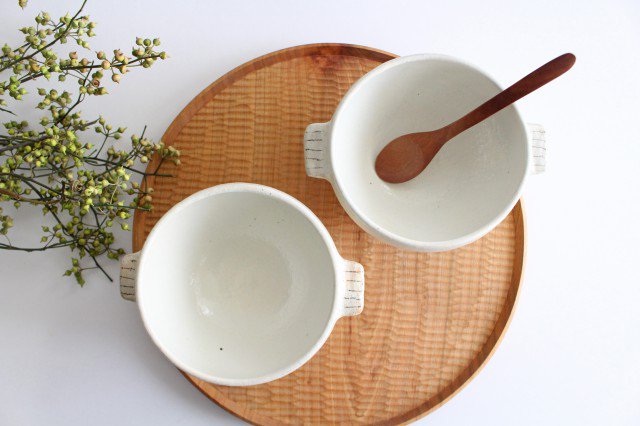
(470,186)
(241,284)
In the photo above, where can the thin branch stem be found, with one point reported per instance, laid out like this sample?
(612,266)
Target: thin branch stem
(87,68)
(93,160)
(21,144)
(100,267)
(19,197)
(30,249)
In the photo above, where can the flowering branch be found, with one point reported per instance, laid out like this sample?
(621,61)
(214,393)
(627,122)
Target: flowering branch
(84,189)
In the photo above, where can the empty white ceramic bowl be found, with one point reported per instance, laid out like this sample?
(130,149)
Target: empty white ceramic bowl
(241,284)
(469,187)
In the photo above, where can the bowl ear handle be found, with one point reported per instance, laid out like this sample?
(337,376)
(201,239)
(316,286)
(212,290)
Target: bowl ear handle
(353,288)
(128,276)
(316,153)
(538,140)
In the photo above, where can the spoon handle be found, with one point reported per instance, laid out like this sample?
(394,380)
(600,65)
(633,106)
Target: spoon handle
(538,78)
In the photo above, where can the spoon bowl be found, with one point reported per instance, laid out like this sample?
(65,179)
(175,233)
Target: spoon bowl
(404,158)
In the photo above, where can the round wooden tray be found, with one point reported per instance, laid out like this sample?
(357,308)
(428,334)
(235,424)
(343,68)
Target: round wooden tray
(431,320)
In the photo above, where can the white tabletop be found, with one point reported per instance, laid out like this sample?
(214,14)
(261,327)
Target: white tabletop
(77,356)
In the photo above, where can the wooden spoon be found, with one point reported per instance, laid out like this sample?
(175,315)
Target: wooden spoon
(407,156)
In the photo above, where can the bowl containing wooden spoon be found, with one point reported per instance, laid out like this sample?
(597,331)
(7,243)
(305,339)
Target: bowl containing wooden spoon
(429,153)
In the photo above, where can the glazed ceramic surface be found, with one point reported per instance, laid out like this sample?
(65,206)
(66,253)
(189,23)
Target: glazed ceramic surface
(241,284)
(469,187)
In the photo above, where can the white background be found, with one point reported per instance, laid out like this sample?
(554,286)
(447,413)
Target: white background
(72,356)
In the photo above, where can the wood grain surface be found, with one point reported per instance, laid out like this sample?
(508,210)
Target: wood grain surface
(431,319)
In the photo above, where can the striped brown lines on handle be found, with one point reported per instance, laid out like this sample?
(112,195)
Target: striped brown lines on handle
(128,272)
(354,288)
(315,154)
(538,148)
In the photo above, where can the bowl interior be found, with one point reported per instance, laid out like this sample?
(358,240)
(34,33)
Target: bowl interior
(236,286)
(470,185)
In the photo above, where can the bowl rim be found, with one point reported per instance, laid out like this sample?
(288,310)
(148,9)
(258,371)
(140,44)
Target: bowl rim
(261,190)
(390,237)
